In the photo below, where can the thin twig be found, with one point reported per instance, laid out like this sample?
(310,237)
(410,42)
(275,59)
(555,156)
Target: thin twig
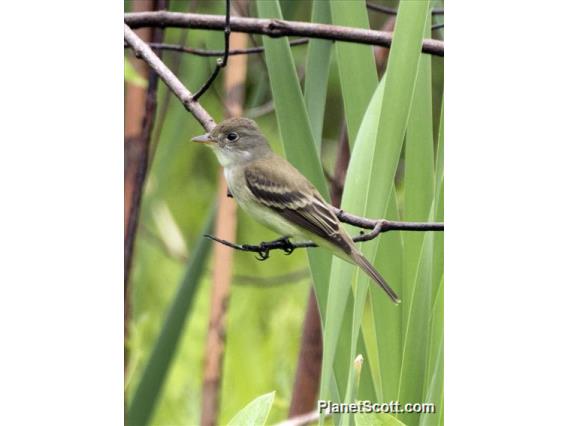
(377,227)
(144,52)
(391,11)
(437,26)
(273,28)
(221,62)
(209,53)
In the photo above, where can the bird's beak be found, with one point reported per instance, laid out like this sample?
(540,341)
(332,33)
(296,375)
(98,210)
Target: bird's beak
(206,138)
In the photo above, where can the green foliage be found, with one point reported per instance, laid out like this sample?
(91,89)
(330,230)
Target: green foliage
(145,397)
(395,129)
(255,413)
(317,73)
(356,63)
(296,133)
(376,419)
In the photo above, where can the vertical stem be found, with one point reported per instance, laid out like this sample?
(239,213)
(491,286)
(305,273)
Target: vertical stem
(234,82)
(140,112)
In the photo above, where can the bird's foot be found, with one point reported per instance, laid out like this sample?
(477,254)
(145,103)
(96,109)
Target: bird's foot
(264,252)
(287,245)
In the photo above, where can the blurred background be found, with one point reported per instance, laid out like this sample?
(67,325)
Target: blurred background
(268,300)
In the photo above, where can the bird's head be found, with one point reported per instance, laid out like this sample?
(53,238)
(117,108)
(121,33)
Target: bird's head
(235,140)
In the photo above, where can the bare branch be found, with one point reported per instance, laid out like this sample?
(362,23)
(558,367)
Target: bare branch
(391,11)
(210,53)
(221,62)
(273,28)
(144,52)
(378,227)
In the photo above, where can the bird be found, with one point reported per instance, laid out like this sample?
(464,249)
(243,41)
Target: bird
(272,191)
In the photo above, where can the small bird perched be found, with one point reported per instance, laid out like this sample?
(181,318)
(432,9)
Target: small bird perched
(277,195)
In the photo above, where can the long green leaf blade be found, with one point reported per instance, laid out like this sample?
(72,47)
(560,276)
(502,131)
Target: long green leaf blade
(419,166)
(356,63)
(317,73)
(417,332)
(368,189)
(438,267)
(147,393)
(434,384)
(295,130)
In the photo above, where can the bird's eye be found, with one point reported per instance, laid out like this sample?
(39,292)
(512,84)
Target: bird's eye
(232,137)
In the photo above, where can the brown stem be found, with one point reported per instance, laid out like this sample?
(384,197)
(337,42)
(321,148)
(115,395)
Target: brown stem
(226,225)
(139,120)
(273,28)
(221,62)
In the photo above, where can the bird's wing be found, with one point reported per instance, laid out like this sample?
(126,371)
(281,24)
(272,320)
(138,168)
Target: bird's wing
(287,192)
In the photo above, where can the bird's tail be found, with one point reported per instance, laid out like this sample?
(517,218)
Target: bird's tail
(374,274)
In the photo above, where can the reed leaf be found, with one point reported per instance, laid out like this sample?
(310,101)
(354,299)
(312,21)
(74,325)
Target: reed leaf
(147,393)
(369,183)
(295,131)
(255,413)
(317,73)
(356,64)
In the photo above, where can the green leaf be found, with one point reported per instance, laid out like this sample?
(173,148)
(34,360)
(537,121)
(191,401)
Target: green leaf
(356,63)
(341,272)
(132,76)
(417,331)
(317,73)
(376,419)
(353,385)
(369,183)
(419,166)
(438,267)
(295,131)
(147,393)
(255,413)
(434,384)
(387,318)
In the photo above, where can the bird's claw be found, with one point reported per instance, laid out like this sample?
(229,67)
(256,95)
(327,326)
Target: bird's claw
(288,246)
(264,252)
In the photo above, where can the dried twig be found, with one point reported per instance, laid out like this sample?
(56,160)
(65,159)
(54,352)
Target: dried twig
(273,28)
(209,53)
(221,62)
(377,227)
